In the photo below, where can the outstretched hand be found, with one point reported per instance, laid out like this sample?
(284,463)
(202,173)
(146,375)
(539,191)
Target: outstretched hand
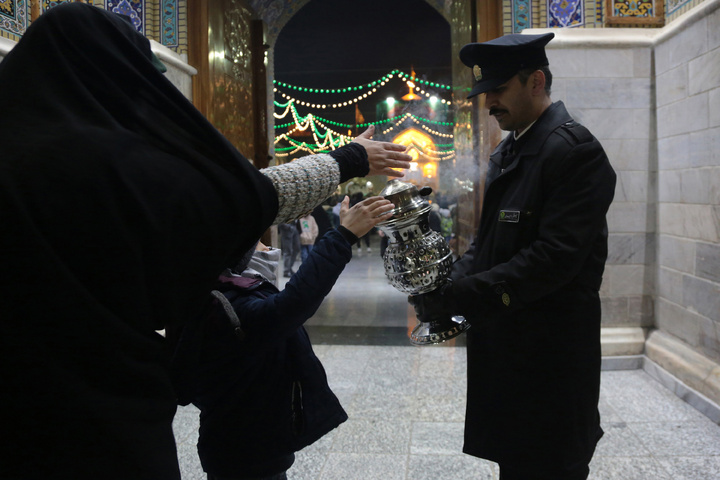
(364,215)
(383,156)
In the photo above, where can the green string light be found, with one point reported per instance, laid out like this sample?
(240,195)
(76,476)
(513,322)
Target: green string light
(334,90)
(314,147)
(359,125)
(406,77)
(332,143)
(384,78)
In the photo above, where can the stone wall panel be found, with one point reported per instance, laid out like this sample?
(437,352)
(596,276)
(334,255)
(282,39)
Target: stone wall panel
(687,45)
(702,296)
(672,85)
(677,253)
(684,116)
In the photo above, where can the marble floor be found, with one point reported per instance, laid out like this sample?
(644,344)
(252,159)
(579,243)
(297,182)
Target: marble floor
(406,403)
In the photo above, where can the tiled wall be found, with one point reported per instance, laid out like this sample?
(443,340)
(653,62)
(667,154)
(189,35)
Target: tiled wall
(675,8)
(14,18)
(687,65)
(164,21)
(521,14)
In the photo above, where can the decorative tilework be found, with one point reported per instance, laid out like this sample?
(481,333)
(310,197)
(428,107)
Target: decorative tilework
(539,13)
(565,13)
(591,14)
(634,8)
(675,5)
(276,14)
(132,8)
(151,20)
(507,20)
(162,20)
(182,30)
(48,4)
(587,13)
(14,16)
(681,8)
(169,23)
(7,8)
(521,15)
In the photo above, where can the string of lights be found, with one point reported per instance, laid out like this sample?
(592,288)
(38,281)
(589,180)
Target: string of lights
(297,146)
(323,132)
(372,89)
(312,122)
(318,148)
(405,76)
(289,106)
(430,155)
(380,81)
(417,121)
(330,143)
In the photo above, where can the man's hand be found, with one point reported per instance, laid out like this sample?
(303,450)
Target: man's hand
(383,156)
(432,305)
(364,215)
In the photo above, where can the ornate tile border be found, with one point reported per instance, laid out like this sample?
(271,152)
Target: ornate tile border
(679,6)
(169,19)
(521,15)
(14,15)
(46,5)
(565,13)
(135,9)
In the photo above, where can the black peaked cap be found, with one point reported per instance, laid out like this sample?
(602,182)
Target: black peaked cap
(496,61)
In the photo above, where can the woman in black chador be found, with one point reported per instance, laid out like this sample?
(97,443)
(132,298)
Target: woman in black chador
(120,205)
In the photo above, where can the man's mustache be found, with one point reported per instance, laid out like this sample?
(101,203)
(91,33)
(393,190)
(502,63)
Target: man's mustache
(495,111)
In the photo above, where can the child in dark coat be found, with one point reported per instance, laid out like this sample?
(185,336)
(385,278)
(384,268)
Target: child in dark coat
(249,367)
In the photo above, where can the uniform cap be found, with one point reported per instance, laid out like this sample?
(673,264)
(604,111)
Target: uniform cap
(496,61)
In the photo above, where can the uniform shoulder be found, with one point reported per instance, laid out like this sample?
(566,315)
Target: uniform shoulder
(574,133)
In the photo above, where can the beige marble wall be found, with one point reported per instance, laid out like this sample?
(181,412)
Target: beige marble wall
(687,69)
(652,97)
(605,80)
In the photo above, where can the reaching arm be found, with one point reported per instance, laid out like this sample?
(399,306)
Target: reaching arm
(306,182)
(280,314)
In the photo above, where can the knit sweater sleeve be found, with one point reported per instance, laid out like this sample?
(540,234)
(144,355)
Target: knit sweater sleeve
(303,184)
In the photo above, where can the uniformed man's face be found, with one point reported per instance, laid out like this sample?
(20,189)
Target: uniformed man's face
(511,104)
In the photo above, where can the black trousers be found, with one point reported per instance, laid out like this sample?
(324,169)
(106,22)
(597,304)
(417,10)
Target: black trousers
(514,473)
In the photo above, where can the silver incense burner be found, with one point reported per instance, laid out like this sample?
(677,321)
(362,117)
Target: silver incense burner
(417,259)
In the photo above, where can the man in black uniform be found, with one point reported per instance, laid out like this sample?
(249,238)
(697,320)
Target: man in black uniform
(529,283)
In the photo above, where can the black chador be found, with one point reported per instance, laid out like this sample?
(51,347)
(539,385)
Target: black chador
(119,204)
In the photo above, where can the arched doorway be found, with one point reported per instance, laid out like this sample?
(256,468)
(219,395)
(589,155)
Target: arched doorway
(216,28)
(236,46)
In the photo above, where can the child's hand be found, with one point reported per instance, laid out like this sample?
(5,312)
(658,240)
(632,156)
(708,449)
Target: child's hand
(364,215)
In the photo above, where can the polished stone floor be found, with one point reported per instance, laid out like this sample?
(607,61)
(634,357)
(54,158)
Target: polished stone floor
(406,403)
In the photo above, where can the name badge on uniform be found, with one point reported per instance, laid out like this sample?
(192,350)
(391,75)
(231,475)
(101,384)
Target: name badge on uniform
(509,216)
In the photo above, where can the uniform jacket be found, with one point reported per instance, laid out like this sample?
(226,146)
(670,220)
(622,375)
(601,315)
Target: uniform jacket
(262,393)
(529,287)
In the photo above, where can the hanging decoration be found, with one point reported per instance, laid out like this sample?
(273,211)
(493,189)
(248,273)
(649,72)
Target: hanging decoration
(324,132)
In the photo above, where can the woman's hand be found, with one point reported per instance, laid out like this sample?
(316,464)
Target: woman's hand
(364,215)
(383,156)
